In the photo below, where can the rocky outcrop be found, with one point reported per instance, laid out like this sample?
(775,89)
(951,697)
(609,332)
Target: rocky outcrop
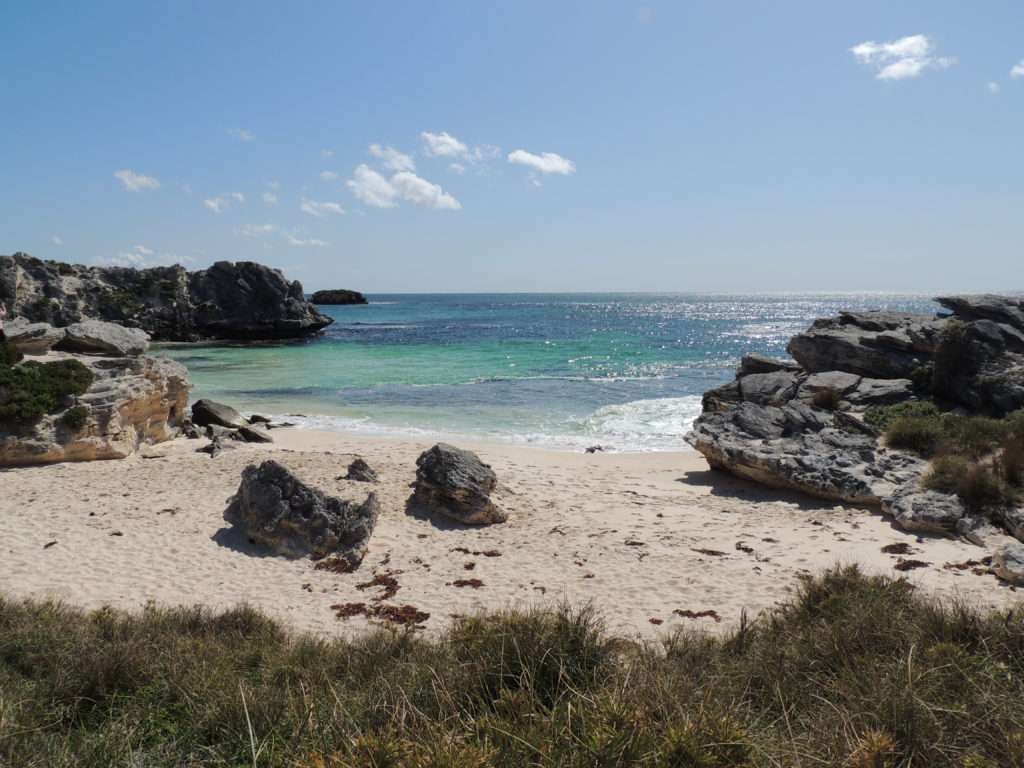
(131,402)
(281,513)
(456,484)
(242,300)
(799,426)
(339,296)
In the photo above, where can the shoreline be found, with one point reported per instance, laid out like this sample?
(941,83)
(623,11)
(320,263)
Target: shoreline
(641,536)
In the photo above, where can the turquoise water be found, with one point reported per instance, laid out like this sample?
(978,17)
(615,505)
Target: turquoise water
(624,371)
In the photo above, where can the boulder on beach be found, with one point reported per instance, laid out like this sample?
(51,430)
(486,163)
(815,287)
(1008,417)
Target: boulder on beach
(278,511)
(31,338)
(206,412)
(456,484)
(361,471)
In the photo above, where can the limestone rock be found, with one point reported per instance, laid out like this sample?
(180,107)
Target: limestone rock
(132,401)
(754,362)
(456,484)
(253,435)
(776,388)
(796,447)
(837,381)
(96,336)
(242,300)
(1008,562)
(31,338)
(361,471)
(206,412)
(914,509)
(278,511)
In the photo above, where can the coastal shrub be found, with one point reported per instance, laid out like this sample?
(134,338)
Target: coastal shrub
(919,434)
(65,269)
(1011,460)
(74,417)
(827,398)
(10,355)
(980,485)
(952,355)
(31,389)
(880,416)
(855,670)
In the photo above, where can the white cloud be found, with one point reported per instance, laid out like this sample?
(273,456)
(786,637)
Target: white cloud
(372,188)
(1018,70)
(292,236)
(993,87)
(319,209)
(216,204)
(56,240)
(458,168)
(273,184)
(422,193)
(136,182)
(140,257)
(545,162)
(327,153)
(442,145)
(269,197)
(240,133)
(329,175)
(392,159)
(901,59)
(186,188)
(238,196)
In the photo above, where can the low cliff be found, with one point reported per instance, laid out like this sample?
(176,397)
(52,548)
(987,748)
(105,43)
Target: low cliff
(816,425)
(242,300)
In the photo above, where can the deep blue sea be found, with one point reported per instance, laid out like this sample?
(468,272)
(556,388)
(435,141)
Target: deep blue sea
(568,371)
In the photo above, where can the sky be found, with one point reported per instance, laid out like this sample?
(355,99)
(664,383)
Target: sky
(424,146)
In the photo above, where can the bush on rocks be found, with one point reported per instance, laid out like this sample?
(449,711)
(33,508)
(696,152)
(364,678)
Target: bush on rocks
(32,389)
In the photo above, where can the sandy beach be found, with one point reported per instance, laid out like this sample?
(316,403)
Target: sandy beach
(651,539)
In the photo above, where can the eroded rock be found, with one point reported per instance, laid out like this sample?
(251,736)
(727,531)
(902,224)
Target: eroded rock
(98,337)
(206,412)
(456,484)
(281,513)
(362,472)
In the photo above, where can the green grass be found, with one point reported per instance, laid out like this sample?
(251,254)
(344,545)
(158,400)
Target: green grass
(31,389)
(921,427)
(855,671)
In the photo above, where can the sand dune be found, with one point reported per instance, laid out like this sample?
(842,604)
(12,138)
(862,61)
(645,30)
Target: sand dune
(646,537)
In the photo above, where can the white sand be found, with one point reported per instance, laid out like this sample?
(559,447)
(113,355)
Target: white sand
(620,530)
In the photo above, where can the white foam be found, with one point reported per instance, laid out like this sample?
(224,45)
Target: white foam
(658,424)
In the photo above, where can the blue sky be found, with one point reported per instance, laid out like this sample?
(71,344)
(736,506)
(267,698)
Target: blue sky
(523,146)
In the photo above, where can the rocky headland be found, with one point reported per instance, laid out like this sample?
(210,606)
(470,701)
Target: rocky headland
(339,296)
(916,414)
(241,300)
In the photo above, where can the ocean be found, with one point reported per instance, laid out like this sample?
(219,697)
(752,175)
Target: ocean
(560,371)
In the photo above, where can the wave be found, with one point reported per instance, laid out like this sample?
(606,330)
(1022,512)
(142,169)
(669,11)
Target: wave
(658,424)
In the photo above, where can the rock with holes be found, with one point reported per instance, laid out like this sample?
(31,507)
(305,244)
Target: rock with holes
(288,517)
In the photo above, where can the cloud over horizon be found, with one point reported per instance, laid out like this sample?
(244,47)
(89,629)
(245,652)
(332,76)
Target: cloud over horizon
(140,257)
(1018,70)
(291,236)
(136,182)
(240,133)
(901,59)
